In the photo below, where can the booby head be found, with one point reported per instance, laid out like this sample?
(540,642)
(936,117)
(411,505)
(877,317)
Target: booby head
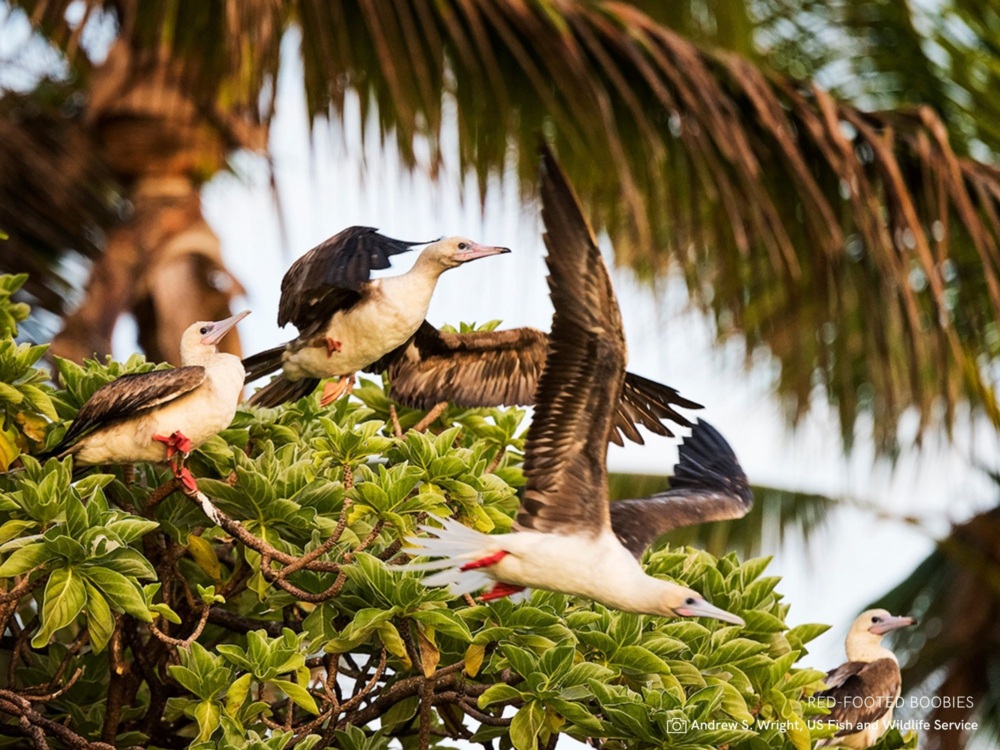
(450,252)
(868,628)
(200,339)
(684,602)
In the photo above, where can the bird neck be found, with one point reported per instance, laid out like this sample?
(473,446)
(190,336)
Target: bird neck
(428,266)
(867,648)
(206,357)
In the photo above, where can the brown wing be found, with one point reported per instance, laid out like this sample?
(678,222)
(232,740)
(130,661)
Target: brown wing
(860,693)
(708,485)
(330,277)
(482,368)
(128,396)
(577,398)
(491,368)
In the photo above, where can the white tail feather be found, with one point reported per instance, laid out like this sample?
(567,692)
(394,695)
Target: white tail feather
(454,545)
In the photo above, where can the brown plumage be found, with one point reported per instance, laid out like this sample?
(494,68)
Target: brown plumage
(490,368)
(566,453)
(860,693)
(332,276)
(708,485)
(127,397)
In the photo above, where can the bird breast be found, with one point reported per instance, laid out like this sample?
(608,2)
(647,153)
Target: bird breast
(390,313)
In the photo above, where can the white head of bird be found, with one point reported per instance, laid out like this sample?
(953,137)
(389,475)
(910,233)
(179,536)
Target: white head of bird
(451,252)
(199,343)
(864,639)
(678,601)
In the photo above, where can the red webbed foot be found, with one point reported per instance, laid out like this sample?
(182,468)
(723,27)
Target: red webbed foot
(333,391)
(175,443)
(500,590)
(332,346)
(187,479)
(486,561)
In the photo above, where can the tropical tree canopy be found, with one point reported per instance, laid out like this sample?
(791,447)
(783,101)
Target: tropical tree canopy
(268,609)
(817,171)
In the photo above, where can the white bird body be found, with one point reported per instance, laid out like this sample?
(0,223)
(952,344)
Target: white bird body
(200,414)
(596,567)
(155,416)
(390,313)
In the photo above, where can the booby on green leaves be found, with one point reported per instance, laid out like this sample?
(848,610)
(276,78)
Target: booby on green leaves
(862,692)
(346,319)
(161,415)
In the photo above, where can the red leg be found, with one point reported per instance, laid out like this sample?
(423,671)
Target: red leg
(331,346)
(186,477)
(333,391)
(500,590)
(179,445)
(169,442)
(486,561)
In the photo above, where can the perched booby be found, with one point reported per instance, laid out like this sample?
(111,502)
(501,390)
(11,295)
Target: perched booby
(562,538)
(490,368)
(161,415)
(862,693)
(347,320)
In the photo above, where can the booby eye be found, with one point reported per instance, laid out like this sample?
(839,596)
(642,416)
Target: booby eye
(462,245)
(876,619)
(204,330)
(690,601)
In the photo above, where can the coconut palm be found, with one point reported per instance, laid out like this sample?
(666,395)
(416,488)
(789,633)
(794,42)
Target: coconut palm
(859,245)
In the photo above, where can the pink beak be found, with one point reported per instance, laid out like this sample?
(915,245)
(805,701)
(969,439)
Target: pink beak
(889,624)
(476,250)
(221,327)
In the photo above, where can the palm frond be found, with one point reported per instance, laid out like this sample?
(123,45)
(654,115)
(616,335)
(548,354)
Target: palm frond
(858,246)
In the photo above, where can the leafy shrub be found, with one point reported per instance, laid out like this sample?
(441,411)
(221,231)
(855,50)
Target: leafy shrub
(272,612)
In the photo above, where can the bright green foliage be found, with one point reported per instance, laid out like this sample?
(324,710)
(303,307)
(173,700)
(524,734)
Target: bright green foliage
(295,622)
(25,403)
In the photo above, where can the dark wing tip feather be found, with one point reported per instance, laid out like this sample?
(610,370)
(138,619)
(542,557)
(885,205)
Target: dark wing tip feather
(344,261)
(707,462)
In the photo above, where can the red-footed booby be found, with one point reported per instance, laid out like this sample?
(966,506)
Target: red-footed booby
(862,692)
(347,320)
(563,538)
(161,415)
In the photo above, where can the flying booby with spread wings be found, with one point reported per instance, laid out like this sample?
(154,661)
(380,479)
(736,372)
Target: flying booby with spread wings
(161,415)
(563,538)
(346,319)
(862,692)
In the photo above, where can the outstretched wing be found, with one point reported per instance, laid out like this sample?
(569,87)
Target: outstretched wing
(481,368)
(128,396)
(493,368)
(330,276)
(860,693)
(577,398)
(708,485)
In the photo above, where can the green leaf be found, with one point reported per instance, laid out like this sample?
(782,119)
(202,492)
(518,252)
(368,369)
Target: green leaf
(65,597)
(498,693)
(124,595)
(526,726)
(298,694)
(100,621)
(208,714)
(237,694)
(25,559)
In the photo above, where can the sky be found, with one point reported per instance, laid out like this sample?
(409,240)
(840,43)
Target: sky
(329,179)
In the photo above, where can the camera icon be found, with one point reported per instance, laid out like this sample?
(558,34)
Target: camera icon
(676,726)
